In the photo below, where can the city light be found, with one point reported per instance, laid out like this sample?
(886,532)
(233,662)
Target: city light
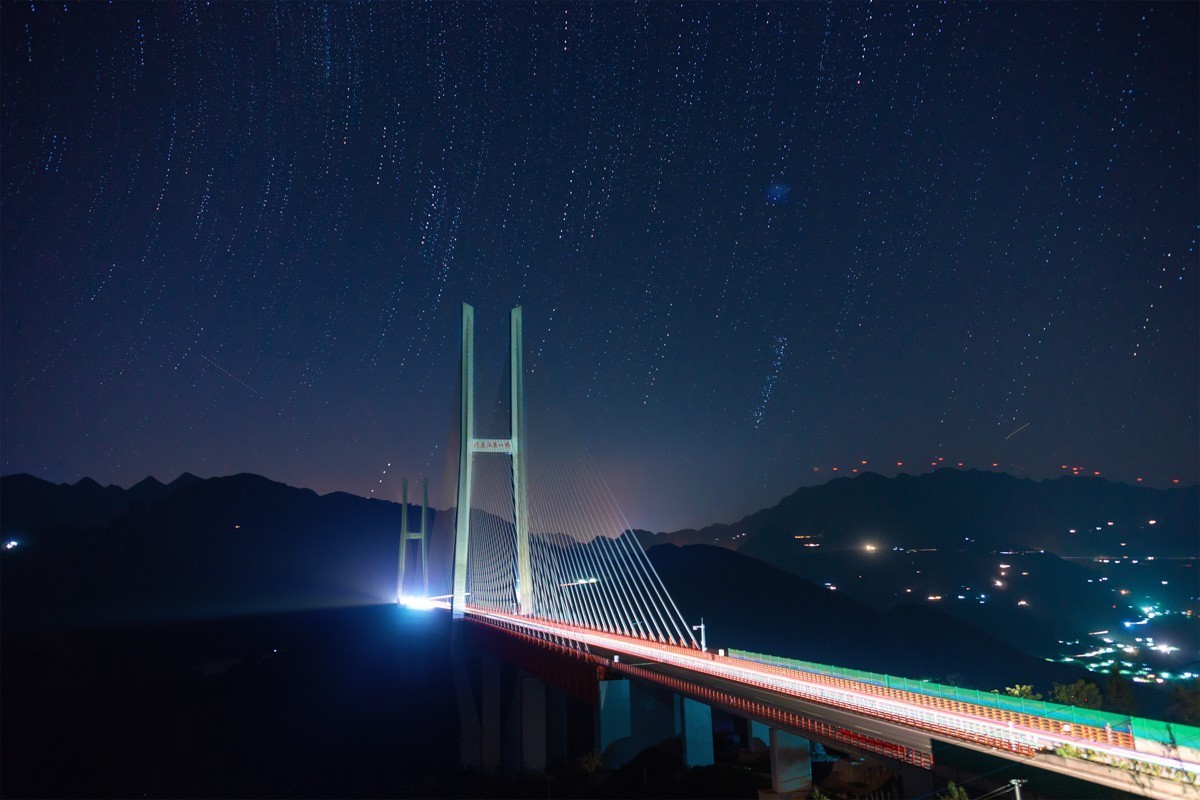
(10,544)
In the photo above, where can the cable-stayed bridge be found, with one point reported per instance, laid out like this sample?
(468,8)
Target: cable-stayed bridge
(549,560)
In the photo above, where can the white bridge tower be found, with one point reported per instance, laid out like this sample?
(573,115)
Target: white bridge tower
(407,536)
(513,447)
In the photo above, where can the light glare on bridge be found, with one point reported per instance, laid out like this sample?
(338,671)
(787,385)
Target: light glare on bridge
(424,603)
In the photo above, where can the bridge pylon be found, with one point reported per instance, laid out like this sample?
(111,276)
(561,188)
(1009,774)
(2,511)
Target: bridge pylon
(513,447)
(407,536)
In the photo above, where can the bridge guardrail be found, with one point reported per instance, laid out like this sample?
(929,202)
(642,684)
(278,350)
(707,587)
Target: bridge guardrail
(1125,730)
(996,727)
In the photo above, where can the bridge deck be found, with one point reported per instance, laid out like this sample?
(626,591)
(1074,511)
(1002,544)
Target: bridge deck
(890,722)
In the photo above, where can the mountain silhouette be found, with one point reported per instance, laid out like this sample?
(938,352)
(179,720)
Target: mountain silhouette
(751,605)
(202,548)
(977,544)
(991,510)
(192,548)
(28,503)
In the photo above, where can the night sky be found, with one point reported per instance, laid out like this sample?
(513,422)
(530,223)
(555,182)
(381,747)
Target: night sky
(753,243)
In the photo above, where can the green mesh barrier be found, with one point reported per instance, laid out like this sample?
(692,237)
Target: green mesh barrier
(1169,733)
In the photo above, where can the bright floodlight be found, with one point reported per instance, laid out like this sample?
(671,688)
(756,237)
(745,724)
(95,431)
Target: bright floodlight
(418,603)
(10,544)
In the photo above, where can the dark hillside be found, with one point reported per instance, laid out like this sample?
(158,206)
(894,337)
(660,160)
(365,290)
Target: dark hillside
(239,544)
(750,605)
(30,504)
(988,510)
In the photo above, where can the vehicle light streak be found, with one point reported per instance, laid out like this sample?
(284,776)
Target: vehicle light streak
(1019,738)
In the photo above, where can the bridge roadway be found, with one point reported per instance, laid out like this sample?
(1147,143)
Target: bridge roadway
(880,725)
(915,741)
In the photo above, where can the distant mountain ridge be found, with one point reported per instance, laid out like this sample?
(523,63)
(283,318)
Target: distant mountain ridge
(30,503)
(194,547)
(1033,564)
(795,617)
(992,510)
(243,544)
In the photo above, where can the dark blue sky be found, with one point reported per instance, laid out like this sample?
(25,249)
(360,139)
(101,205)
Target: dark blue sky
(751,241)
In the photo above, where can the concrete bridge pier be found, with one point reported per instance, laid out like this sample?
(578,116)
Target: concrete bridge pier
(916,781)
(696,732)
(633,716)
(614,725)
(653,717)
(791,759)
(470,753)
(532,692)
(491,711)
(519,723)
(533,729)
(557,726)
(759,736)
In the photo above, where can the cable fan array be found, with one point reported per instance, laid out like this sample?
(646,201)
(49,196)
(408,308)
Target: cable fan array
(587,567)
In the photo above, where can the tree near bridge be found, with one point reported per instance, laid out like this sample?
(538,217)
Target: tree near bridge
(1118,696)
(1081,694)
(1185,703)
(953,792)
(1022,690)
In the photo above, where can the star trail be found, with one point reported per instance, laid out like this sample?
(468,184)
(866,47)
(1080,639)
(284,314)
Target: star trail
(754,242)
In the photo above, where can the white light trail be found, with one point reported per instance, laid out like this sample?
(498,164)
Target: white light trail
(872,704)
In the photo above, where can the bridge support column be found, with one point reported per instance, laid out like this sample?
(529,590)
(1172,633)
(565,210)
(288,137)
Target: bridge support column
(492,714)
(695,732)
(613,722)
(759,737)
(556,726)
(533,724)
(654,715)
(791,763)
(915,781)
(470,733)
(634,716)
